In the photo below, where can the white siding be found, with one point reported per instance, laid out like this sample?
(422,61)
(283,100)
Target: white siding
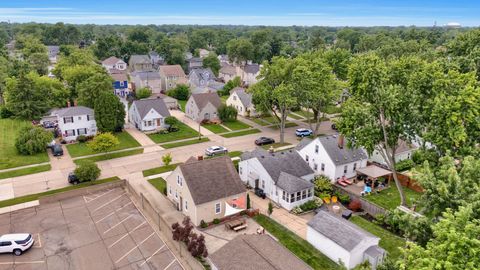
(79,122)
(329,248)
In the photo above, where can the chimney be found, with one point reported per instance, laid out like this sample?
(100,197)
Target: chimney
(340,141)
(68,103)
(75,103)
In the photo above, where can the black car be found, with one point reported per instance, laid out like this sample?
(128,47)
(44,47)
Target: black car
(57,150)
(264,141)
(73,179)
(259,192)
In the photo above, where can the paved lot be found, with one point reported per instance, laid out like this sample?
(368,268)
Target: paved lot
(103,230)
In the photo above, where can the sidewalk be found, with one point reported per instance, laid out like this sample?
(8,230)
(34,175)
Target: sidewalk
(143,140)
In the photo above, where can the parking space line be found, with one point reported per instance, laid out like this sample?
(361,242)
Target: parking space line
(39,242)
(134,229)
(170,264)
(101,195)
(109,202)
(111,228)
(126,254)
(123,206)
(104,217)
(31,262)
(155,253)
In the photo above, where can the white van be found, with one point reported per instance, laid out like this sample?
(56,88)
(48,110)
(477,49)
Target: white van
(15,243)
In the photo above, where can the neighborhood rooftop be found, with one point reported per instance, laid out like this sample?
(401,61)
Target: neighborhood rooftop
(138,59)
(292,184)
(202,99)
(73,111)
(244,97)
(111,60)
(146,105)
(172,70)
(147,75)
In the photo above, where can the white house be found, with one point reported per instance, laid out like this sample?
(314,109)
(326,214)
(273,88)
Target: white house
(284,176)
(114,63)
(242,101)
(74,121)
(203,106)
(341,240)
(149,79)
(404,151)
(330,156)
(148,114)
(248,73)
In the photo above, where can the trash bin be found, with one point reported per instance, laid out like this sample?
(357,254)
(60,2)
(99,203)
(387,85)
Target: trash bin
(347,214)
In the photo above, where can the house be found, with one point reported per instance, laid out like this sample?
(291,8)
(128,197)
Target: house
(203,106)
(203,53)
(148,114)
(140,63)
(248,73)
(341,240)
(194,62)
(150,79)
(284,176)
(74,121)
(330,156)
(113,63)
(211,87)
(223,58)
(171,75)
(404,151)
(53,52)
(170,102)
(120,84)
(200,77)
(156,59)
(227,73)
(242,101)
(206,189)
(255,252)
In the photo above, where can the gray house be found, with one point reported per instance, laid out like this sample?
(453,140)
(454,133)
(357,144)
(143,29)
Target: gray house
(203,107)
(140,63)
(194,62)
(200,77)
(149,79)
(148,114)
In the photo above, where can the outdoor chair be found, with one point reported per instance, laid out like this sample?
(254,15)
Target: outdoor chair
(334,199)
(341,183)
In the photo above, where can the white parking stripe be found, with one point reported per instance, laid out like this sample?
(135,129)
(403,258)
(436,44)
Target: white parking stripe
(134,229)
(155,253)
(126,254)
(113,212)
(101,195)
(170,264)
(31,262)
(111,228)
(109,202)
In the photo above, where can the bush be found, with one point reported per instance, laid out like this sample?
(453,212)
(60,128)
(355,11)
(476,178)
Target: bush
(216,221)
(310,205)
(167,159)
(227,113)
(203,224)
(103,142)
(5,113)
(143,93)
(404,165)
(323,185)
(32,140)
(181,92)
(343,198)
(422,155)
(82,138)
(297,210)
(355,205)
(171,121)
(87,171)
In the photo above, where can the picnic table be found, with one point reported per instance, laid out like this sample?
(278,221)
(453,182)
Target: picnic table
(232,225)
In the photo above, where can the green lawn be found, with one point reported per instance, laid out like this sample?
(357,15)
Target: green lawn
(25,171)
(236,125)
(183,143)
(159,184)
(215,128)
(230,154)
(390,198)
(224,99)
(9,157)
(294,116)
(287,125)
(184,132)
(159,170)
(182,104)
(275,145)
(110,156)
(81,149)
(259,121)
(241,133)
(271,119)
(33,197)
(388,241)
(298,246)
(305,114)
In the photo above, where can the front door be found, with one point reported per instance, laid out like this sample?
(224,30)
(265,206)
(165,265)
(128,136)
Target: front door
(180,205)
(256,183)
(158,122)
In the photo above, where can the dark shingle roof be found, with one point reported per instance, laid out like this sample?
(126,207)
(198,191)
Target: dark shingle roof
(251,68)
(203,73)
(256,252)
(73,111)
(139,59)
(228,69)
(145,105)
(339,230)
(211,179)
(202,99)
(144,75)
(291,183)
(245,98)
(304,142)
(288,161)
(339,155)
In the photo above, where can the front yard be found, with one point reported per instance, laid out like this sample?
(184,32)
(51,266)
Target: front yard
(182,104)
(81,149)
(9,157)
(215,128)
(389,198)
(275,145)
(232,125)
(25,171)
(184,143)
(184,132)
(110,156)
(241,133)
(236,125)
(159,170)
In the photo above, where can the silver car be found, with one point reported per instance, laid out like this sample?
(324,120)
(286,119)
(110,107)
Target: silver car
(215,150)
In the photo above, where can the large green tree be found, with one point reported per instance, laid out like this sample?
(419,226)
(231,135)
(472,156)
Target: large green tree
(240,50)
(90,89)
(109,112)
(212,62)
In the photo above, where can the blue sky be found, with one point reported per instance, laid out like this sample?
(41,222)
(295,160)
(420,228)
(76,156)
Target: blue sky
(246,12)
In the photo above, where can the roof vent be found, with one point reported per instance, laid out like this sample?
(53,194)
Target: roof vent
(262,156)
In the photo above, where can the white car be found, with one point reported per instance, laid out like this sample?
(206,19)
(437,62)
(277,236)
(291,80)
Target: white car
(215,150)
(15,243)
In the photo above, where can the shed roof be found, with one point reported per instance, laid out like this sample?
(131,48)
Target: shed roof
(374,171)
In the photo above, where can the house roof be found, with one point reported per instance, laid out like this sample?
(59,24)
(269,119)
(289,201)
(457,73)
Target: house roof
(139,59)
(374,171)
(211,179)
(341,231)
(403,146)
(228,69)
(255,252)
(202,99)
(288,161)
(121,77)
(251,68)
(195,59)
(73,111)
(53,50)
(245,98)
(145,105)
(112,60)
(291,183)
(375,251)
(147,75)
(304,142)
(172,70)
(203,73)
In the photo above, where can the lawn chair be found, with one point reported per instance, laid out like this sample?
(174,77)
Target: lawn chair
(341,183)
(326,200)
(346,181)
(334,199)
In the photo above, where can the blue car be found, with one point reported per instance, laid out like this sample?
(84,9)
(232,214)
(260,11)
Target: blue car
(302,132)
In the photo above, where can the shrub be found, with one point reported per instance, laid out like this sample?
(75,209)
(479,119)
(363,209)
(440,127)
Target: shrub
(203,224)
(82,138)
(216,221)
(310,205)
(343,198)
(297,210)
(32,140)
(181,92)
(227,113)
(355,205)
(103,142)
(422,155)
(87,171)
(323,185)
(405,164)
(171,121)
(5,113)
(143,93)
(248,201)
(167,159)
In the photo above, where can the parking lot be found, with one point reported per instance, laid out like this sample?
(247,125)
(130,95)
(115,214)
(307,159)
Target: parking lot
(102,230)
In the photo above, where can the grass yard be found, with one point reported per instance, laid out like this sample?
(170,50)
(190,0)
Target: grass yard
(388,241)
(241,133)
(159,170)
(184,132)
(182,104)
(390,198)
(304,114)
(230,154)
(33,197)
(9,157)
(160,184)
(298,246)
(215,128)
(183,143)
(25,171)
(236,125)
(81,149)
(110,156)
(294,116)
(287,125)
(259,121)
(275,145)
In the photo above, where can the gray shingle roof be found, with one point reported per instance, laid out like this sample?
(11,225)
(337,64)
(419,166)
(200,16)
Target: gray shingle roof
(304,142)
(211,179)
(256,252)
(288,161)
(112,60)
(139,59)
(73,111)
(339,155)
(375,251)
(228,69)
(245,98)
(144,75)
(251,68)
(203,73)
(291,183)
(145,105)
(339,230)
(203,99)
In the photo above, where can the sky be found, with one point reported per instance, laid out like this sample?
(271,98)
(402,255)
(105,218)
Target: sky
(245,12)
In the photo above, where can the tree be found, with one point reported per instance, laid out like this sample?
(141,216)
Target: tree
(143,93)
(87,171)
(212,62)
(103,142)
(235,82)
(182,233)
(57,94)
(167,159)
(270,208)
(240,50)
(90,89)
(32,140)
(171,121)
(109,112)
(197,247)
(180,92)
(227,113)
(76,75)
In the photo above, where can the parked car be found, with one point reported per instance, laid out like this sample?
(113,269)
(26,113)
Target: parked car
(72,178)
(16,243)
(303,132)
(259,192)
(215,150)
(264,141)
(49,124)
(57,150)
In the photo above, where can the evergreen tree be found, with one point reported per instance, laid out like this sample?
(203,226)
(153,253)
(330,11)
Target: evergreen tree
(109,112)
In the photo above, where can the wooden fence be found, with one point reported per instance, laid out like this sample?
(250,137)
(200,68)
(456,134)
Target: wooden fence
(367,206)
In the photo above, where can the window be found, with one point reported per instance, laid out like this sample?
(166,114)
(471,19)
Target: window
(304,194)
(70,132)
(68,120)
(316,149)
(5,243)
(90,117)
(283,195)
(170,190)
(354,166)
(179,180)
(121,84)
(176,194)
(322,167)
(81,131)
(240,170)
(292,197)
(299,196)
(186,205)
(149,123)
(218,208)
(345,169)
(315,166)
(234,97)
(263,184)
(309,193)
(306,158)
